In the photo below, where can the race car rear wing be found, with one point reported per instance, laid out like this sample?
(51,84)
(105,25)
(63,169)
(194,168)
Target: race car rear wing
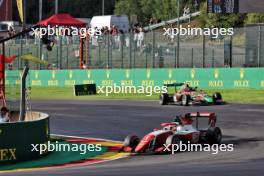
(211,117)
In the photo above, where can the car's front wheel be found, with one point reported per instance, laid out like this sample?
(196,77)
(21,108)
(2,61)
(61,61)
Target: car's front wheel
(185,100)
(216,97)
(131,141)
(164,99)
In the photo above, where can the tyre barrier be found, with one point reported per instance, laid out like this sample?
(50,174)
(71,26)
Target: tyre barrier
(17,138)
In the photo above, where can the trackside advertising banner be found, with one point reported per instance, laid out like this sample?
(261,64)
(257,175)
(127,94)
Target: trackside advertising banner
(228,78)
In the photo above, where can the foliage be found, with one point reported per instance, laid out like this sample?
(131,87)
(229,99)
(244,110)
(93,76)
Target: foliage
(143,9)
(219,19)
(146,9)
(254,18)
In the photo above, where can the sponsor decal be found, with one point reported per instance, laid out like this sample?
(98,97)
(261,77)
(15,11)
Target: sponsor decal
(170,72)
(262,84)
(242,73)
(53,82)
(36,83)
(8,154)
(193,83)
(69,82)
(148,73)
(53,74)
(36,74)
(216,83)
(169,81)
(147,82)
(127,83)
(107,82)
(193,73)
(216,73)
(88,81)
(241,83)
(70,74)
(107,74)
(127,74)
(89,74)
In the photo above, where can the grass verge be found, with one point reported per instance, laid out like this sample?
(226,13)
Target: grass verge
(66,93)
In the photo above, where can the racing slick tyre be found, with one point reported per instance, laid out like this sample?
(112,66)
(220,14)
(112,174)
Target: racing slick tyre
(213,135)
(217,96)
(173,140)
(185,100)
(131,141)
(164,99)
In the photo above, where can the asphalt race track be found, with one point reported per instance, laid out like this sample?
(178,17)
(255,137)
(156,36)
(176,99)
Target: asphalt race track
(242,125)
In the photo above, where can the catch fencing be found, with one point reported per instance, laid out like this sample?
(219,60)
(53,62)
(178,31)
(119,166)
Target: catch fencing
(244,49)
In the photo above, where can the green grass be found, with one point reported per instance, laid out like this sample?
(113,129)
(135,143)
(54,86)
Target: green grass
(234,96)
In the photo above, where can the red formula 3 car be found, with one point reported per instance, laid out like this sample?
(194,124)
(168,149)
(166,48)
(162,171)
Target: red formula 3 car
(190,128)
(185,95)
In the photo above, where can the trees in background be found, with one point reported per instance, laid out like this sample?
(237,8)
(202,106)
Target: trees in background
(143,9)
(254,18)
(219,19)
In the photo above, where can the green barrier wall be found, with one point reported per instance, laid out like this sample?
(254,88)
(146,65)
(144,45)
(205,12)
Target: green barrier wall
(16,139)
(205,78)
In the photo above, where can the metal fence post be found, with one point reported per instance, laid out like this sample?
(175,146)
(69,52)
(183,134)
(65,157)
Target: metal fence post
(60,54)
(231,52)
(134,53)
(122,49)
(67,56)
(130,49)
(153,49)
(175,57)
(178,51)
(9,51)
(108,50)
(146,58)
(192,59)
(57,56)
(100,56)
(213,58)
(18,61)
(40,51)
(21,51)
(22,112)
(203,51)
(259,45)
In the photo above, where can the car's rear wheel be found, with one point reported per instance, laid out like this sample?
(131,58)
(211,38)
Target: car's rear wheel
(164,99)
(185,100)
(213,135)
(131,141)
(216,96)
